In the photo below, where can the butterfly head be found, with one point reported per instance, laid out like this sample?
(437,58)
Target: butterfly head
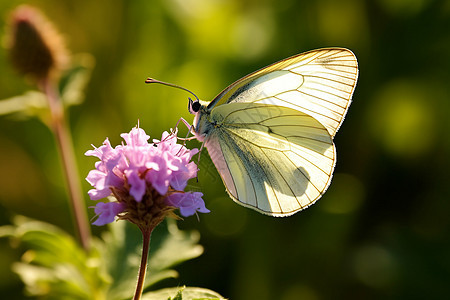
(197,106)
(201,125)
(194,106)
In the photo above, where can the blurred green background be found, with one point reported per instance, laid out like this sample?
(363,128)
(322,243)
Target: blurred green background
(383,228)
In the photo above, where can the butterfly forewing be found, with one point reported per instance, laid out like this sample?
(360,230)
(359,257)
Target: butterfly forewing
(274,159)
(319,83)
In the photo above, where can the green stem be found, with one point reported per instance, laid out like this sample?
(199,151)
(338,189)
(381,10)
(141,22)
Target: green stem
(143,267)
(70,169)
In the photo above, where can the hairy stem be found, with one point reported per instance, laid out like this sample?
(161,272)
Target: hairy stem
(70,170)
(143,267)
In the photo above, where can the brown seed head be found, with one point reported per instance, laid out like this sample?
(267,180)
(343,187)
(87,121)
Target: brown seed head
(147,213)
(36,48)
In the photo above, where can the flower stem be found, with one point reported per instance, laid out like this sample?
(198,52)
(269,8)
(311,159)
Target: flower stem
(65,147)
(146,233)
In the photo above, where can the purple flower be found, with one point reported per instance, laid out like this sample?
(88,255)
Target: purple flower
(153,174)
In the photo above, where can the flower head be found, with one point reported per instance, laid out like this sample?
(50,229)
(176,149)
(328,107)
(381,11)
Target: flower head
(146,179)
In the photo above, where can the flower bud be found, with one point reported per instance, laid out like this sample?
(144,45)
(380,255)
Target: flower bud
(36,48)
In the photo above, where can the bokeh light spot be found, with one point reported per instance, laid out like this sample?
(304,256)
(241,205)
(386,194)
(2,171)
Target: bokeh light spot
(252,34)
(374,266)
(403,119)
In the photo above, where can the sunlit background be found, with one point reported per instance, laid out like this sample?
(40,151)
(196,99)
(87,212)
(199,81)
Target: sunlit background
(382,231)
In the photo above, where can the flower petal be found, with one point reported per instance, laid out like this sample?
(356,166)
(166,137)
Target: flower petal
(179,179)
(159,177)
(137,137)
(96,178)
(137,184)
(96,194)
(107,212)
(159,180)
(188,203)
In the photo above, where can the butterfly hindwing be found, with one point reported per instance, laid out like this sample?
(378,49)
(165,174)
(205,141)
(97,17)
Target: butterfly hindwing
(274,159)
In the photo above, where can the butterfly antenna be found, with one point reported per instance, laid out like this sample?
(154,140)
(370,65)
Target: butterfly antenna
(152,80)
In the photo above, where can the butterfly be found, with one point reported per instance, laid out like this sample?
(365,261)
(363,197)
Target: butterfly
(270,134)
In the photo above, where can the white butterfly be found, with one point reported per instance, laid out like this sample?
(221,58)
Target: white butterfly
(270,134)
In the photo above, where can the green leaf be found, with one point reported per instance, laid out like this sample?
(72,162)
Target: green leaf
(171,246)
(54,266)
(184,293)
(74,83)
(30,104)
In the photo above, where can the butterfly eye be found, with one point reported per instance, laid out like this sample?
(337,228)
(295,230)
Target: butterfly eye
(194,106)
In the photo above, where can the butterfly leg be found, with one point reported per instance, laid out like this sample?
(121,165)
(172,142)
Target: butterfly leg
(187,138)
(189,126)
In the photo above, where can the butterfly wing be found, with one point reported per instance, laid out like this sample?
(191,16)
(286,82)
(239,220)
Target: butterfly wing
(274,159)
(319,83)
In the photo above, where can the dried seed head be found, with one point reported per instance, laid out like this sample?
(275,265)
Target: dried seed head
(36,48)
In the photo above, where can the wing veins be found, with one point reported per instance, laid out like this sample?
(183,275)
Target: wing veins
(328,174)
(330,53)
(285,181)
(268,178)
(298,136)
(317,97)
(334,54)
(334,65)
(307,126)
(229,171)
(251,180)
(328,73)
(304,108)
(305,176)
(281,116)
(319,168)
(329,93)
(330,86)
(329,79)
(296,90)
